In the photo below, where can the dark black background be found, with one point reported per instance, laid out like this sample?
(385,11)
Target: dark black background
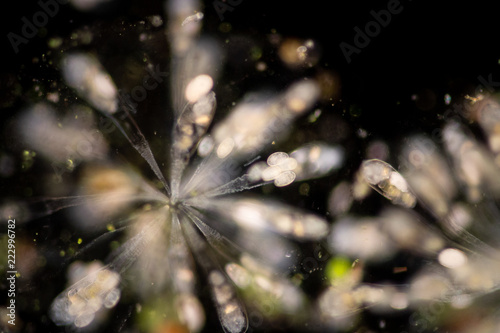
(441,46)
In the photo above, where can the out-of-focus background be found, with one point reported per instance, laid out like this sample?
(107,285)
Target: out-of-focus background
(428,48)
(399,81)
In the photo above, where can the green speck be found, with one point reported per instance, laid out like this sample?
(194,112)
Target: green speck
(70,165)
(337,268)
(114,245)
(256,53)
(27,159)
(155,313)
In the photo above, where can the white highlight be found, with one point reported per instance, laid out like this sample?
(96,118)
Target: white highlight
(452,258)
(198,87)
